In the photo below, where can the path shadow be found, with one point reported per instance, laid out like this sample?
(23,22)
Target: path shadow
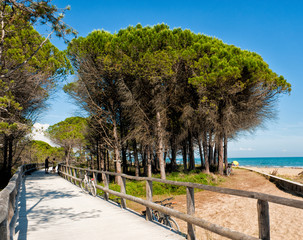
(41,215)
(46,193)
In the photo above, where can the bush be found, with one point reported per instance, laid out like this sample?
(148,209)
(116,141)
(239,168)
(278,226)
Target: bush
(138,188)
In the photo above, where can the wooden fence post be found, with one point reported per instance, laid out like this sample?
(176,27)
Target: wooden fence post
(11,211)
(123,190)
(16,209)
(77,176)
(74,175)
(149,197)
(65,171)
(190,197)
(106,186)
(71,173)
(263,219)
(4,230)
(94,177)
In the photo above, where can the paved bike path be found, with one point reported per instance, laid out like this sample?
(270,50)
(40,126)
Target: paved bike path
(52,208)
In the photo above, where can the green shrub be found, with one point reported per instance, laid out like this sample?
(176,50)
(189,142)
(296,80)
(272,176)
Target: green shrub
(138,188)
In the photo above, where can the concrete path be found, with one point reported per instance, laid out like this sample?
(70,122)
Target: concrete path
(53,208)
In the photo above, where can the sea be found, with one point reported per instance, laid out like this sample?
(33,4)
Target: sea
(262,161)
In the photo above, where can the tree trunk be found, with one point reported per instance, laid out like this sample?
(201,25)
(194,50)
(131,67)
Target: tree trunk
(117,152)
(155,161)
(100,160)
(103,160)
(144,160)
(80,153)
(98,155)
(173,154)
(184,154)
(215,158)
(4,178)
(206,157)
(92,162)
(149,162)
(107,160)
(66,151)
(137,169)
(124,159)
(220,153)
(130,162)
(160,146)
(5,150)
(2,38)
(122,145)
(225,151)
(165,155)
(201,154)
(211,150)
(10,156)
(191,152)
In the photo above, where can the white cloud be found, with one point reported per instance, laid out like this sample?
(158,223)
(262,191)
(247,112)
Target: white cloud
(246,149)
(38,133)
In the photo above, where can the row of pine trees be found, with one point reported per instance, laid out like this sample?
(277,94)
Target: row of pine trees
(160,93)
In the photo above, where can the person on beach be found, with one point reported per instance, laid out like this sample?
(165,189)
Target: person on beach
(46,165)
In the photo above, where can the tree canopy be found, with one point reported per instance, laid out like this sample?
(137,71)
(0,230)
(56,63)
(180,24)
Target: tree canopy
(38,151)
(69,134)
(30,66)
(171,90)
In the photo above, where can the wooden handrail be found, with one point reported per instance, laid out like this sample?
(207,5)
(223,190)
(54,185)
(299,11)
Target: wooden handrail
(229,191)
(9,200)
(262,204)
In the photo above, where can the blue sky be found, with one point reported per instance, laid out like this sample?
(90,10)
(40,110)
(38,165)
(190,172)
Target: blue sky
(273,29)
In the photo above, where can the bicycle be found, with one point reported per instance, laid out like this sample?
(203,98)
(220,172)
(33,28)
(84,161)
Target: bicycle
(163,218)
(229,169)
(87,184)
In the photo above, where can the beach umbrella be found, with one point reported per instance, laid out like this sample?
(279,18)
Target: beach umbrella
(235,163)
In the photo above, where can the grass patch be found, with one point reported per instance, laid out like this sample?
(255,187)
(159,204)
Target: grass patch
(138,188)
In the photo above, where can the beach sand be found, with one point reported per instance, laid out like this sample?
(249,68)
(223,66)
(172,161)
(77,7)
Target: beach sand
(240,214)
(284,171)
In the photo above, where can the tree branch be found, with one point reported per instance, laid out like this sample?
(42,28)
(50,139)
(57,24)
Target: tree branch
(29,58)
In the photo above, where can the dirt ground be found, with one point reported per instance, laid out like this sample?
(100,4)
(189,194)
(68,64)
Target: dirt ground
(240,214)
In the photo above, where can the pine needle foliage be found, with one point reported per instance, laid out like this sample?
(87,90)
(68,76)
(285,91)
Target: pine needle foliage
(168,91)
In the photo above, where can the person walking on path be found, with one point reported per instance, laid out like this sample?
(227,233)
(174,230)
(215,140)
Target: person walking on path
(54,166)
(46,165)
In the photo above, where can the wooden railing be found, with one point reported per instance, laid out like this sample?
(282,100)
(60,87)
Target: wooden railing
(72,174)
(9,201)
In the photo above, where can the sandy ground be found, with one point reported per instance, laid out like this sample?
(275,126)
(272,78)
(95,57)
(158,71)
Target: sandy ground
(284,171)
(239,213)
